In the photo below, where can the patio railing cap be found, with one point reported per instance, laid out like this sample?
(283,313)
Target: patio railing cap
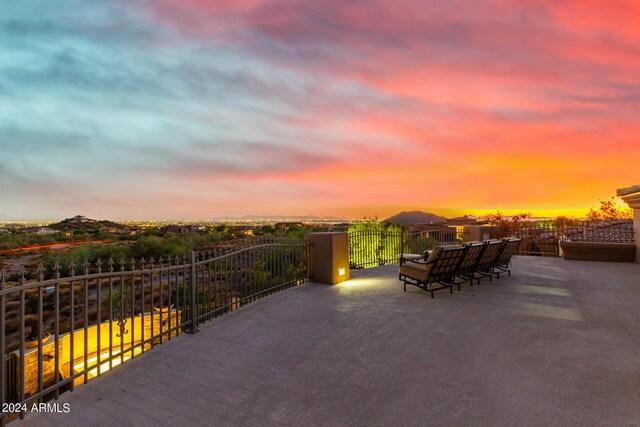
(628,191)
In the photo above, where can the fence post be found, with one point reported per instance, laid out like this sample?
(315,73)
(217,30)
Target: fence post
(402,239)
(192,283)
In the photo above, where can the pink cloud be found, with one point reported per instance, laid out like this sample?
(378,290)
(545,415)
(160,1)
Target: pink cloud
(526,99)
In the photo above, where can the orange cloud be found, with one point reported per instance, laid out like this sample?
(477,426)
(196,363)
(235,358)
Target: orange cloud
(333,107)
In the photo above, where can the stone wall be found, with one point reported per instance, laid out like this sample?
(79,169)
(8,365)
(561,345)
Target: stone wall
(481,232)
(31,366)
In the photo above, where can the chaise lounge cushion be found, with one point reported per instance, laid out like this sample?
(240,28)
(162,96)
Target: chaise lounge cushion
(592,251)
(433,255)
(420,270)
(429,254)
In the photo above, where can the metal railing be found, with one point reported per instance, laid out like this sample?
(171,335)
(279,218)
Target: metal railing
(543,239)
(10,377)
(602,232)
(59,331)
(377,246)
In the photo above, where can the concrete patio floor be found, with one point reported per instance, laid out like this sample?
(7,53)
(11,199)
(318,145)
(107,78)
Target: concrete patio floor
(558,343)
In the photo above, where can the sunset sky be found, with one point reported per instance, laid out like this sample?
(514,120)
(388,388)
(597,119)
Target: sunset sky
(196,109)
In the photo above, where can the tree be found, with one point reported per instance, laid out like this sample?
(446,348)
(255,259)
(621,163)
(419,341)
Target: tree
(508,225)
(608,211)
(264,230)
(373,243)
(563,221)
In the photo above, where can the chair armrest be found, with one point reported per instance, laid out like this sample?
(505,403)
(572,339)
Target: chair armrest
(404,257)
(419,261)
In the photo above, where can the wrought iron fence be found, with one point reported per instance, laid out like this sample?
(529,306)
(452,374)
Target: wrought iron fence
(370,248)
(378,246)
(604,232)
(63,329)
(11,377)
(544,238)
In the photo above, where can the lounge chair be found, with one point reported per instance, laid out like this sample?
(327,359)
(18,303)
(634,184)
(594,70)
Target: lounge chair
(468,265)
(440,267)
(504,258)
(487,260)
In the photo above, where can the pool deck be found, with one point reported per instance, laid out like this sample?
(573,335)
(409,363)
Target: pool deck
(557,343)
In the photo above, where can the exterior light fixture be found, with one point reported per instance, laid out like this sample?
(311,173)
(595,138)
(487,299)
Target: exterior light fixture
(341,271)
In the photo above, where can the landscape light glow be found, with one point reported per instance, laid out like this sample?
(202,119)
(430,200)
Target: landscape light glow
(79,367)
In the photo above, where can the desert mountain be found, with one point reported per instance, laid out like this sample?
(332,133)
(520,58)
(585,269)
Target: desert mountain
(416,217)
(82,222)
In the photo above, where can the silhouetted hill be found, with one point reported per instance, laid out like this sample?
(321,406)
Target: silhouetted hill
(416,217)
(81,222)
